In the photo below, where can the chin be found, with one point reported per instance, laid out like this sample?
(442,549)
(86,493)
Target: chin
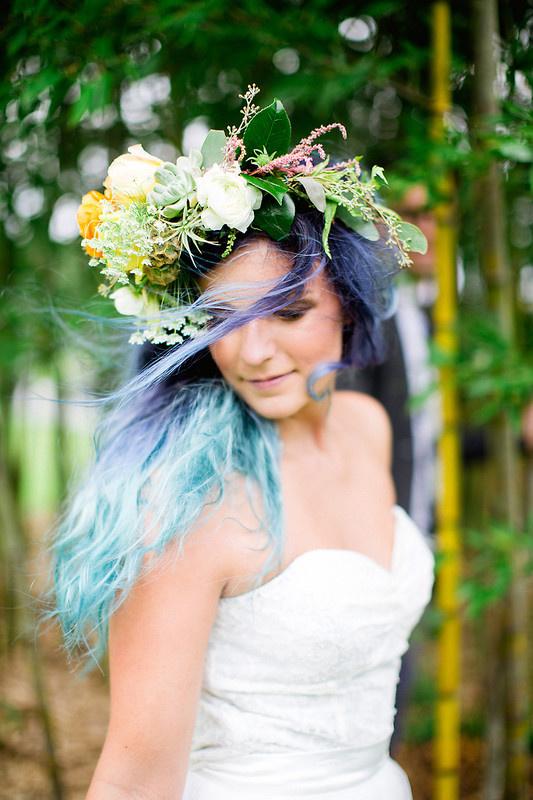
(275,407)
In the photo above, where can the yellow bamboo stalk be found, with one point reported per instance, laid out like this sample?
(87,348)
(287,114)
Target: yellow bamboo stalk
(447,734)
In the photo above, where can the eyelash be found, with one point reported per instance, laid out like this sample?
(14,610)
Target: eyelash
(287,315)
(291,315)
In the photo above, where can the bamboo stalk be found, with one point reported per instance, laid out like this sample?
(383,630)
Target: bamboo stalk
(447,737)
(19,625)
(495,262)
(10,534)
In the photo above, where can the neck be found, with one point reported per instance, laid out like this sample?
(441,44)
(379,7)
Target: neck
(309,430)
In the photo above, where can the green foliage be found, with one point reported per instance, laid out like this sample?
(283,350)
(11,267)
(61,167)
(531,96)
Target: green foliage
(275,187)
(490,564)
(331,208)
(363,227)
(68,70)
(275,220)
(213,148)
(315,192)
(492,373)
(413,236)
(420,723)
(421,714)
(269,130)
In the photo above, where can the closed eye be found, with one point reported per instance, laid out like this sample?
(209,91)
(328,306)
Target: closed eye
(288,314)
(291,313)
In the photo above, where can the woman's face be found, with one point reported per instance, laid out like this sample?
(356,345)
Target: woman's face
(268,360)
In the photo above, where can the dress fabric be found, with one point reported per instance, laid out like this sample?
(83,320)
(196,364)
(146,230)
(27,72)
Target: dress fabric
(300,678)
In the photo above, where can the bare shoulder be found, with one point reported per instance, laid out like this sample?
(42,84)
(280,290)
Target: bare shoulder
(367,419)
(223,529)
(158,639)
(206,555)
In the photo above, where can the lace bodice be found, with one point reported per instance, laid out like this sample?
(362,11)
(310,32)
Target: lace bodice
(308,662)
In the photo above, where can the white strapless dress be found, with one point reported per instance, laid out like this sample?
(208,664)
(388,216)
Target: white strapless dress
(300,678)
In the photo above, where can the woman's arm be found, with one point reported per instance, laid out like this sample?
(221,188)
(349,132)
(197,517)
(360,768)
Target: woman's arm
(157,645)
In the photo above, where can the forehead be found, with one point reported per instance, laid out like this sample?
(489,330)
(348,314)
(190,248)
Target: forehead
(254,268)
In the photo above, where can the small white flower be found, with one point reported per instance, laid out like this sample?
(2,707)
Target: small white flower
(137,338)
(227,199)
(127,301)
(130,303)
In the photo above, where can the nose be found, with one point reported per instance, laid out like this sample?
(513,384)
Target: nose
(257,343)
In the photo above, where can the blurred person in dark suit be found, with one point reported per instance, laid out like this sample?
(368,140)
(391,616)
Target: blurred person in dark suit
(406,372)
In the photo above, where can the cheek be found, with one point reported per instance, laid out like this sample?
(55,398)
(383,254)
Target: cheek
(318,339)
(223,354)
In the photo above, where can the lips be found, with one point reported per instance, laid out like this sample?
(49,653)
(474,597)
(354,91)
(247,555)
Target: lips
(267,383)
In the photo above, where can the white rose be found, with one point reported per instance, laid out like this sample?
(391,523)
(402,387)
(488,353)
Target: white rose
(131,304)
(227,199)
(132,175)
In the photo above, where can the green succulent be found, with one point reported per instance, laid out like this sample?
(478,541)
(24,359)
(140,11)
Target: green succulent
(173,189)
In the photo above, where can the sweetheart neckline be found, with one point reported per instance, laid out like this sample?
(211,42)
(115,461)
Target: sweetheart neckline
(387,571)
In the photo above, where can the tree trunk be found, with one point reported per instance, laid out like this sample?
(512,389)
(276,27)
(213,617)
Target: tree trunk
(495,263)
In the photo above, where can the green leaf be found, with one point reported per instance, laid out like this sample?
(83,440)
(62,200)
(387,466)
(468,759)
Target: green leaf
(269,129)
(213,148)
(331,208)
(272,186)
(367,230)
(516,150)
(379,172)
(315,192)
(276,221)
(412,237)
(174,210)
(363,227)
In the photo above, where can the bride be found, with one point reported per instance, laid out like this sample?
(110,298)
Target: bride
(237,544)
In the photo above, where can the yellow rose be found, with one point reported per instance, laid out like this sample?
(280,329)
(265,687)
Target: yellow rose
(132,175)
(88,217)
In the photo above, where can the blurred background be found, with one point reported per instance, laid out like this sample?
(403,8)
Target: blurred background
(439,94)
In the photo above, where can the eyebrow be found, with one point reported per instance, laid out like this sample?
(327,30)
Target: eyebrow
(302,301)
(306,301)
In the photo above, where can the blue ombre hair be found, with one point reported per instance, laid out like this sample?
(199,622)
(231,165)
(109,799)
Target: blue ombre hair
(175,432)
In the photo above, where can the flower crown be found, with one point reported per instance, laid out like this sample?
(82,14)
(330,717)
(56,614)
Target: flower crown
(153,210)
